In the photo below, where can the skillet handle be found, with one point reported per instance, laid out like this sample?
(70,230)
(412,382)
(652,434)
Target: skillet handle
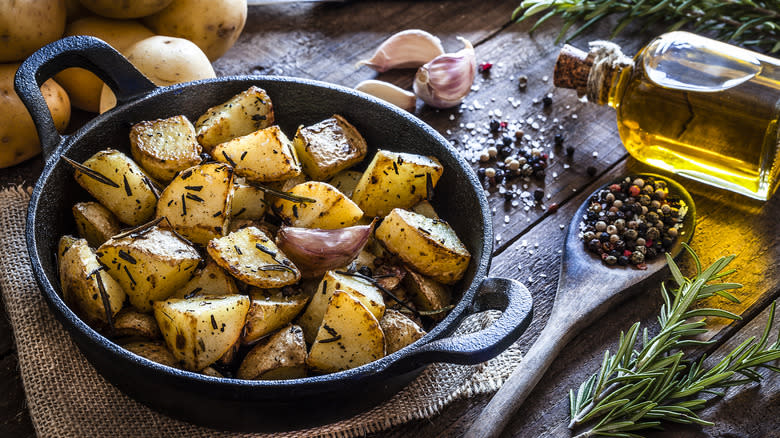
(509,296)
(77,51)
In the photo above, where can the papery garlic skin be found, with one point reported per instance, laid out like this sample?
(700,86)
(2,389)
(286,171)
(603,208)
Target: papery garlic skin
(446,80)
(389,93)
(406,49)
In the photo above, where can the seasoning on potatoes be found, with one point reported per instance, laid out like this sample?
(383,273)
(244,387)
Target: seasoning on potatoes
(332,209)
(399,330)
(95,222)
(248,202)
(270,310)
(396,180)
(197,202)
(262,156)
(252,257)
(281,356)
(346,181)
(208,280)
(430,246)
(150,265)
(164,147)
(328,147)
(427,294)
(119,184)
(198,331)
(349,336)
(243,114)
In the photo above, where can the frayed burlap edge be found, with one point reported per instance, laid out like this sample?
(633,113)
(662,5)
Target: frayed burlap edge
(68,398)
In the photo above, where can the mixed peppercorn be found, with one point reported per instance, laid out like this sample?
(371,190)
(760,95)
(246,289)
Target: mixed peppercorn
(632,222)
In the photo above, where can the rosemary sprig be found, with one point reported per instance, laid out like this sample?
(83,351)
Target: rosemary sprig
(636,389)
(754,23)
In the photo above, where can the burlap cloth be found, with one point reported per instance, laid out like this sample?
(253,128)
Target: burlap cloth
(68,398)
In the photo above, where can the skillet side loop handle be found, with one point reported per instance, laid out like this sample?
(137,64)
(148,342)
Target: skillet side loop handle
(509,296)
(78,51)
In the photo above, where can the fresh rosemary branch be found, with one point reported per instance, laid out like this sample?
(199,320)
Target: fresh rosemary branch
(753,23)
(638,388)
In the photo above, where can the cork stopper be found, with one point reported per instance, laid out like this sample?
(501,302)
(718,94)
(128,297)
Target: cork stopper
(572,69)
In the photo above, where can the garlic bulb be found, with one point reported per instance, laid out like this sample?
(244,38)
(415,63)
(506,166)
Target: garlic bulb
(389,93)
(446,80)
(406,49)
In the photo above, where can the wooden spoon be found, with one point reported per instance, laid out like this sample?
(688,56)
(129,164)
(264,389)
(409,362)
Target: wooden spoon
(587,288)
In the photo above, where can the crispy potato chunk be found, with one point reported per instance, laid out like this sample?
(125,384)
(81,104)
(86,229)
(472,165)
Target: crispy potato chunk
(95,222)
(243,114)
(197,202)
(199,330)
(120,185)
(281,356)
(248,202)
(270,310)
(399,330)
(149,267)
(328,147)
(252,257)
(261,156)
(346,181)
(368,294)
(209,280)
(332,209)
(130,323)
(430,246)
(164,147)
(427,294)
(85,286)
(395,180)
(154,351)
(348,337)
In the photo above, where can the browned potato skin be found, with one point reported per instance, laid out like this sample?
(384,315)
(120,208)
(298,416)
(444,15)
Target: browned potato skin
(27,25)
(243,114)
(164,147)
(427,293)
(328,147)
(284,352)
(399,330)
(125,9)
(214,25)
(95,222)
(130,323)
(154,351)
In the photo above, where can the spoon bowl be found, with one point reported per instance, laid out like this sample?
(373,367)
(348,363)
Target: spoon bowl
(587,288)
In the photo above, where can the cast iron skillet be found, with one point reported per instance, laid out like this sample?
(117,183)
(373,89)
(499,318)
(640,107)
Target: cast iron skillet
(257,405)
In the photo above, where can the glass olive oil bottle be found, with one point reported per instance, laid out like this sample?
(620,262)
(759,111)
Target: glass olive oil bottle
(691,105)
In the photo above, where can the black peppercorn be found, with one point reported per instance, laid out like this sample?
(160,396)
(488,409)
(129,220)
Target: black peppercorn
(499,176)
(622,261)
(481,172)
(591,171)
(495,125)
(558,139)
(507,140)
(547,101)
(570,150)
(538,195)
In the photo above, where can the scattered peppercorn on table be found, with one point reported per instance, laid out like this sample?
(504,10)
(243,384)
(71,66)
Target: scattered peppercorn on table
(540,152)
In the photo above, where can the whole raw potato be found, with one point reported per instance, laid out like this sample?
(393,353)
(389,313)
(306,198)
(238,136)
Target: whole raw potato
(18,137)
(82,86)
(28,25)
(214,25)
(125,8)
(165,61)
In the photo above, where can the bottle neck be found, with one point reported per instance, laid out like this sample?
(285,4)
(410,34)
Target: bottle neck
(609,65)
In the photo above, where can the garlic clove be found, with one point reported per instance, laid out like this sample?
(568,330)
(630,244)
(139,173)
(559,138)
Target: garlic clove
(389,93)
(406,49)
(446,80)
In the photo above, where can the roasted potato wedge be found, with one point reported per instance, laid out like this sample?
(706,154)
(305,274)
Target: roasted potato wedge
(120,185)
(332,209)
(95,222)
(252,257)
(399,330)
(427,294)
(346,181)
(430,246)
(244,113)
(199,330)
(395,180)
(365,292)
(149,267)
(209,280)
(281,356)
(348,337)
(164,147)
(94,294)
(328,147)
(248,202)
(197,203)
(270,309)
(261,156)
(154,351)
(426,209)
(130,323)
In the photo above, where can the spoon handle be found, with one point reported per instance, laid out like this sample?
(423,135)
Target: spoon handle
(494,417)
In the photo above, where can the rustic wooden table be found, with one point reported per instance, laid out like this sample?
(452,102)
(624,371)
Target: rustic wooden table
(323,42)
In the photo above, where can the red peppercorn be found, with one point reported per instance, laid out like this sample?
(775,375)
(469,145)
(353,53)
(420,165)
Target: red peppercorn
(614,188)
(649,243)
(553,207)
(627,253)
(485,67)
(504,125)
(634,191)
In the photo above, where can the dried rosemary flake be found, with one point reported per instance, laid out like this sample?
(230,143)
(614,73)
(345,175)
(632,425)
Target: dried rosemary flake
(139,230)
(128,190)
(127,257)
(329,340)
(194,197)
(94,174)
(192,293)
(229,160)
(194,188)
(266,250)
(278,267)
